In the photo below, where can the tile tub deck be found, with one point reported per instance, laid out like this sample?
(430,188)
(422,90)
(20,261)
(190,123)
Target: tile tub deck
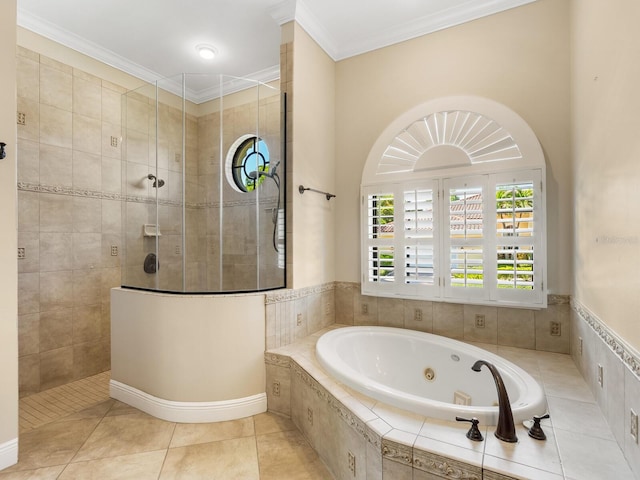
(358,437)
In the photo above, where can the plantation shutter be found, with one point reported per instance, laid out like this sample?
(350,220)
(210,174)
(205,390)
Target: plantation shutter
(465,233)
(420,239)
(380,240)
(518,251)
(480,240)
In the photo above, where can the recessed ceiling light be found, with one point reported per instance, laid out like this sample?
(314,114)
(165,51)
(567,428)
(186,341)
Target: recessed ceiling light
(206,51)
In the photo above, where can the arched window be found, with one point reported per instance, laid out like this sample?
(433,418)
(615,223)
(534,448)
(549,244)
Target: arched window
(453,207)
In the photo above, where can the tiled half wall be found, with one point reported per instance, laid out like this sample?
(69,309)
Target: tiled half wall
(593,345)
(294,314)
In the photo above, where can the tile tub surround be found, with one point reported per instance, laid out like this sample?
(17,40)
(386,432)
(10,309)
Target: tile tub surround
(388,443)
(512,327)
(293,314)
(593,344)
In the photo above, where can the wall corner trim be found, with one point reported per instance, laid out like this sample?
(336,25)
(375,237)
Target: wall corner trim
(8,453)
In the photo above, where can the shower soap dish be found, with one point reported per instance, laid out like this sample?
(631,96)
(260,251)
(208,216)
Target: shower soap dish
(151,230)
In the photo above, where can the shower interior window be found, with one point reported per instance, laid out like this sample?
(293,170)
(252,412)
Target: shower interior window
(250,158)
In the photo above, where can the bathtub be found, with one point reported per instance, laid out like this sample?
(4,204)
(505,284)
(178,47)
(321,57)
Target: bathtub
(426,374)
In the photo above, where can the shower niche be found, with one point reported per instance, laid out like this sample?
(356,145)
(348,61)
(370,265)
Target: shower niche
(203,185)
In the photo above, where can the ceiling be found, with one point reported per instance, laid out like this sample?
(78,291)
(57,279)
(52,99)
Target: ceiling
(155,39)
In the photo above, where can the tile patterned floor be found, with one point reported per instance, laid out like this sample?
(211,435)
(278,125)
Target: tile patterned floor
(41,408)
(78,432)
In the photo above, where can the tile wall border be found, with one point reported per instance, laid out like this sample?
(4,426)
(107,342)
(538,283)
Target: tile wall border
(397,452)
(268,202)
(552,299)
(445,467)
(629,356)
(277,360)
(286,295)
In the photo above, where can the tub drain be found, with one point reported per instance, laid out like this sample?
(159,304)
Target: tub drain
(429,374)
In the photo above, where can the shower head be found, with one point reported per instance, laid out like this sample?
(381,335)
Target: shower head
(270,173)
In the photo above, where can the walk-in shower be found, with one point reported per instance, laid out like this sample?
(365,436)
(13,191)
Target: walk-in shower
(203,236)
(202,176)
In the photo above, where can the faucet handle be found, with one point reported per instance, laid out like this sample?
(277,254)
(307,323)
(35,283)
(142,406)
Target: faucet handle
(536,430)
(473,433)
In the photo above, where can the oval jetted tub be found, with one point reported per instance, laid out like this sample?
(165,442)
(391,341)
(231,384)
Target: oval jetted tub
(426,374)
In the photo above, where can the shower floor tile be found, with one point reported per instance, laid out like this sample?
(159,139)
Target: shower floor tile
(76,431)
(55,403)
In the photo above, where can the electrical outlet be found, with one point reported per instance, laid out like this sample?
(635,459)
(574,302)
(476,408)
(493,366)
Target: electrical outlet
(600,375)
(327,308)
(479,320)
(22,118)
(299,320)
(417,315)
(114,250)
(580,345)
(364,309)
(352,463)
(22,253)
(114,141)
(310,415)
(275,388)
(555,329)
(633,429)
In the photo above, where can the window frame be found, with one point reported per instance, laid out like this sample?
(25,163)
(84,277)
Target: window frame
(237,158)
(449,139)
(442,243)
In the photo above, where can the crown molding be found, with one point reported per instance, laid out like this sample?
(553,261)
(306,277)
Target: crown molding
(71,40)
(472,10)
(310,23)
(283,12)
(64,37)
(236,84)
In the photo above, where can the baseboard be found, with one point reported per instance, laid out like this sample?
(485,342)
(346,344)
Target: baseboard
(8,453)
(189,412)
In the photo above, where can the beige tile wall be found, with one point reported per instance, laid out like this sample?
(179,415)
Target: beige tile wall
(68,173)
(206,190)
(245,263)
(593,344)
(502,326)
(71,182)
(294,314)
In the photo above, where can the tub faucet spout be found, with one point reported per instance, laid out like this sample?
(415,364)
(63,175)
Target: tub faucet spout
(506,430)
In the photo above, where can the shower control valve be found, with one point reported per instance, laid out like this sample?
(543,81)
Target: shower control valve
(474,432)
